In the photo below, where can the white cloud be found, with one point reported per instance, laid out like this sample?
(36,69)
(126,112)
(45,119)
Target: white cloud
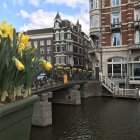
(34,2)
(4,5)
(70,3)
(24,14)
(44,19)
(20,2)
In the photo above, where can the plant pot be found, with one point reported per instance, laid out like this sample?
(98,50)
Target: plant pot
(16,118)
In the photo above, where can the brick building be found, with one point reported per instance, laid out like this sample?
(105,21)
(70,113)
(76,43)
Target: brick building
(115,34)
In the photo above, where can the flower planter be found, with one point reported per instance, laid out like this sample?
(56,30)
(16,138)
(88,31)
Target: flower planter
(16,118)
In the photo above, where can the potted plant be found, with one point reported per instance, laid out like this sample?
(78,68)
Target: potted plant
(19,64)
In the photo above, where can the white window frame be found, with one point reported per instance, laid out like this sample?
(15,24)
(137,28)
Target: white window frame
(137,14)
(68,36)
(116,38)
(94,4)
(56,24)
(48,42)
(41,42)
(62,35)
(56,48)
(57,36)
(115,18)
(94,21)
(48,49)
(137,37)
(114,3)
(35,43)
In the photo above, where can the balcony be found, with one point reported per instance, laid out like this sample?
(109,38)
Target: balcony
(115,26)
(135,47)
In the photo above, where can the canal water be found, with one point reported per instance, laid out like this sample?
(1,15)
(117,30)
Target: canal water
(97,118)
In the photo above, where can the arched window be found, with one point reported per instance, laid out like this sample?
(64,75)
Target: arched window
(117,67)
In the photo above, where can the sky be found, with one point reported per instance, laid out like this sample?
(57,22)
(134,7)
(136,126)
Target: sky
(37,14)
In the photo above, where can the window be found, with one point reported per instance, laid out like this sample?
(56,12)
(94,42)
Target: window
(42,51)
(117,67)
(75,49)
(62,36)
(57,36)
(41,42)
(48,42)
(57,48)
(48,49)
(94,21)
(115,18)
(57,60)
(69,47)
(80,61)
(137,37)
(60,59)
(63,47)
(115,3)
(35,43)
(116,39)
(97,43)
(94,4)
(56,24)
(137,15)
(49,58)
(68,35)
(75,59)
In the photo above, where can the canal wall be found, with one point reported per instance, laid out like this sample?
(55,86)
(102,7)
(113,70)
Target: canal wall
(91,88)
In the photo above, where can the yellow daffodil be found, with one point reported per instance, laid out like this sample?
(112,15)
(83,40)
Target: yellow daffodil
(21,48)
(33,59)
(23,38)
(6,30)
(18,64)
(46,65)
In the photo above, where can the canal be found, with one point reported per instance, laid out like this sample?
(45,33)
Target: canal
(97,118)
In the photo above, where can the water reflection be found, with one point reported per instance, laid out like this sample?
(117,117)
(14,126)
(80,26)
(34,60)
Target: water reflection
(96,119)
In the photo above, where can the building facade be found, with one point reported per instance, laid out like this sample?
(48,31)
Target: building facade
(43,38)
(115,34)
(64,45)
(70,44)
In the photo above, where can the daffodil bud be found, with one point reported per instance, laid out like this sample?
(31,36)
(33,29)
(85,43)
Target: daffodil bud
(18,64)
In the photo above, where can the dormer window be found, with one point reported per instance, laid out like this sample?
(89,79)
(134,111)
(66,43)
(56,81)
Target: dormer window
(56,24)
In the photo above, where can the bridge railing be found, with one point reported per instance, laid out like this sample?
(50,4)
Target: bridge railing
(55,81)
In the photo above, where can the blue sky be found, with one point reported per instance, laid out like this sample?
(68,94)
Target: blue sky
(35,14)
